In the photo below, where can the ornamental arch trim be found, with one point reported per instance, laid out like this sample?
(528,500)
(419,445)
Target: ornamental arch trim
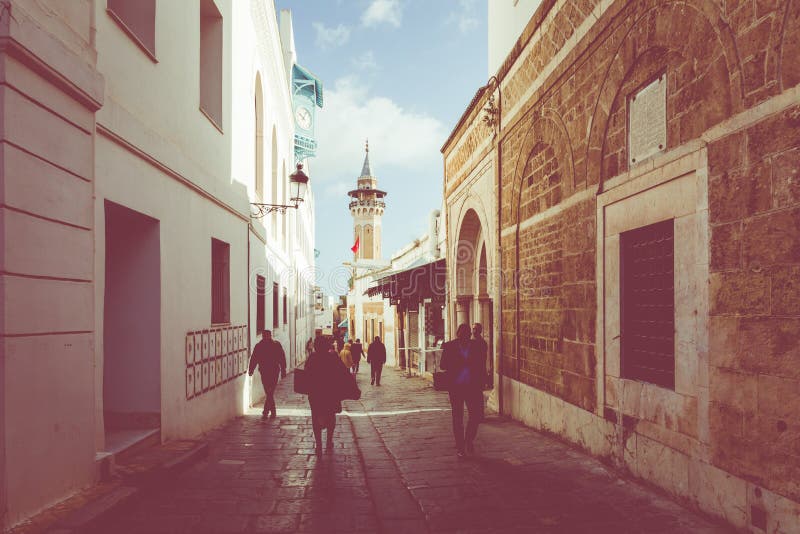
(686,27)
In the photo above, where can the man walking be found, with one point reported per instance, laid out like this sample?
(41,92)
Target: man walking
(465,364)
(376,357)
(270,359)
(356,350)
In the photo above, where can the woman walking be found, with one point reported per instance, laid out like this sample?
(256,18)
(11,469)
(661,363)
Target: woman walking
(346,356)
(327,385)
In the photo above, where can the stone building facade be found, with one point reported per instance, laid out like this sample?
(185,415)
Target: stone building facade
(631,175)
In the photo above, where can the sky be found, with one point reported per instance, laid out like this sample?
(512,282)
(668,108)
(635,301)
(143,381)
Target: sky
(401,73)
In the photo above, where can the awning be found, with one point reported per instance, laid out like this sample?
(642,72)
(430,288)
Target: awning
(423,279)
(305,81)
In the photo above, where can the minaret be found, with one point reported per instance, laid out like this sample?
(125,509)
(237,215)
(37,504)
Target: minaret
(367,207)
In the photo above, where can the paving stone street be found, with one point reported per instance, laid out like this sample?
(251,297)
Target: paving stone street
(394,469)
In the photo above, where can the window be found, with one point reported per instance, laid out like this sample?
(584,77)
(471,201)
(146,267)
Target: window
(220,282)
(261,306)
(647,304)
(285,308)
(138,19)
(211,62)
(275,311)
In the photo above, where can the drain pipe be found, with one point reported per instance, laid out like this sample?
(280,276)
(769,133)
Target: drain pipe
(494,82)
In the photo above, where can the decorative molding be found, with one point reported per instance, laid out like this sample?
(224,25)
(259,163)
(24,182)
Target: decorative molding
(16,50)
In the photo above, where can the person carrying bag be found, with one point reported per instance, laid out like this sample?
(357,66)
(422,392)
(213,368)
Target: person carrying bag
(464,362)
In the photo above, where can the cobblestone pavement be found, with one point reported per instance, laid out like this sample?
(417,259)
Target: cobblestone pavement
(394,469)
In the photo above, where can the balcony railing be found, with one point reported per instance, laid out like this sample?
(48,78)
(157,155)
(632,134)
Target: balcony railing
(367,204)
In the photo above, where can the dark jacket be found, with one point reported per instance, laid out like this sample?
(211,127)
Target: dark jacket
(356,349)
(328,380)
(454,362)
(376,353)
(270,359)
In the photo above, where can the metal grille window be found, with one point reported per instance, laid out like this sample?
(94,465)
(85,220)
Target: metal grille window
(275,311)
(285,307)
(647,304)
(261,289)
(220,281)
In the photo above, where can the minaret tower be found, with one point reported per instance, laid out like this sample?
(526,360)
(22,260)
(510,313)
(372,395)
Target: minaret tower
(366,207)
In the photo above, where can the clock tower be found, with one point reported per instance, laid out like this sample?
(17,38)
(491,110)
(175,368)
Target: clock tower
(306,97)
(366,207)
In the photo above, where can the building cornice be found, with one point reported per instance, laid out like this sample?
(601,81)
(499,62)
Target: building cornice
(78,80)
(534,24)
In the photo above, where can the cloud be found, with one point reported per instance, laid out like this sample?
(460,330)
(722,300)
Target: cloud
(398,138)
(466,17)
(331,37)
(383,11)
(365,61)
(338,189)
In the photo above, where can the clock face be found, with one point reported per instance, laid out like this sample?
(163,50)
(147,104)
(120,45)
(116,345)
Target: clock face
(303,117)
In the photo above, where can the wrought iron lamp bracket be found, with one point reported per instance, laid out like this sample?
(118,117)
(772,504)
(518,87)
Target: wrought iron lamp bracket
(262,210)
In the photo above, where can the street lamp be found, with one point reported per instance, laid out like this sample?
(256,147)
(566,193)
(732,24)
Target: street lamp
(298,181)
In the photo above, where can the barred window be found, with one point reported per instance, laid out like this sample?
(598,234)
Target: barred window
(220,282)
(261,289)
(275,311)
(285,307)
(647,304)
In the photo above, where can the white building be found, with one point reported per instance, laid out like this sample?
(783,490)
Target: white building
(136,136)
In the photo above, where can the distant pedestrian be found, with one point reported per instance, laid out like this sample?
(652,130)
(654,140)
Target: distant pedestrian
(376,357)
(327,383)
(346,356)
(465,364)
(270,359)
(482,347)
(357,350)
(309,347)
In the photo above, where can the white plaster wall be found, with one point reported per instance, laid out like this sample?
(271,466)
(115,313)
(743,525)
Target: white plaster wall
(186,236)
(507,20)
(47,346)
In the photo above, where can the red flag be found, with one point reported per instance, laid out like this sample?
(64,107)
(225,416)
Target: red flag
(354,248)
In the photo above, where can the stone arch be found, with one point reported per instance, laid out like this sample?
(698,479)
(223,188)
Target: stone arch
(466,254)
(368,241)
(473,203)
(284,187)
(679,27)
(548,129)
(258,138)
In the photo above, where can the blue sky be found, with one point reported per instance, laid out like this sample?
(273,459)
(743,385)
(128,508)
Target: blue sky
(400,72)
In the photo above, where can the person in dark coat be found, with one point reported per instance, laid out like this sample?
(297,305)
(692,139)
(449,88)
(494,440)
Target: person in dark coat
(327,377)
(270,359)
(376,357)
(356,349)
(465,362)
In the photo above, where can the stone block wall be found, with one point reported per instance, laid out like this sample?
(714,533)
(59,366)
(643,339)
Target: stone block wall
(754,197)
(730,429)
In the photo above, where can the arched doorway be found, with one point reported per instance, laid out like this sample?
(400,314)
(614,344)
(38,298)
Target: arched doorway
(473,301)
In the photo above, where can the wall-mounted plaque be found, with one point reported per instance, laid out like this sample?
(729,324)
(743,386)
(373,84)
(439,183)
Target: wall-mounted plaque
(647,121)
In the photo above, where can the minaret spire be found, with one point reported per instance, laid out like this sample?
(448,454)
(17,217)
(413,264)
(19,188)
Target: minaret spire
(365,169)
(366,206)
